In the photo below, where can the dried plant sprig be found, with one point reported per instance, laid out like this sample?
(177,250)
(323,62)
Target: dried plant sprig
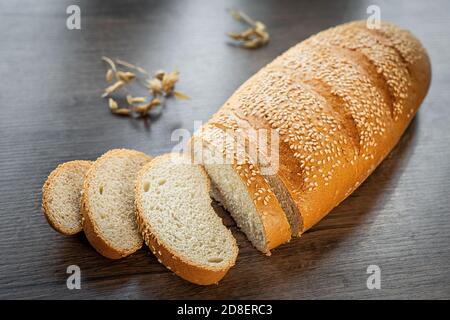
(162,84)
(117,85)
(254,37)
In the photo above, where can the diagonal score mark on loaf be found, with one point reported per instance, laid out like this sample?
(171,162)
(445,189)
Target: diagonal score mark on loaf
(335,103)
(348,80)
(382,38)
(382,61)
(373,74)
(413,57)
(408,47)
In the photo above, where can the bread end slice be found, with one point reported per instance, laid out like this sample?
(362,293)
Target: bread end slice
(240,187)
(107,204)
(178,223)
(61,195)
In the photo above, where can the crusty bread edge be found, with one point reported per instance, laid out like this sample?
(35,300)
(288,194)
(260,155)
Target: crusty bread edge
(274,221)
(45,194)
(201,275)
(89,226)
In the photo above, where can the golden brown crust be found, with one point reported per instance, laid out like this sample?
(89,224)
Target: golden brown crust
(340,101)
(232,121)
(185,269)
(276,227)
(46,208)
(90,227)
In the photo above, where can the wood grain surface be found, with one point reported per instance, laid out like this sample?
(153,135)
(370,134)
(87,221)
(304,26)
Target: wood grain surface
(51,112)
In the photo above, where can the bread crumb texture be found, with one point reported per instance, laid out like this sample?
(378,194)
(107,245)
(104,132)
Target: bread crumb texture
(109,200)
(61,195)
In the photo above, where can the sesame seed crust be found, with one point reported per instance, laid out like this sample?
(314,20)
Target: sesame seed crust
(339,101)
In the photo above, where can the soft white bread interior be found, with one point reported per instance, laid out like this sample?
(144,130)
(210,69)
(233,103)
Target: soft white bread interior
(178,223)
(107,203)
(241,189)
(61,195)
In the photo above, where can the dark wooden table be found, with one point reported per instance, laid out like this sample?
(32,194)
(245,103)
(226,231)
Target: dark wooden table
(51,112)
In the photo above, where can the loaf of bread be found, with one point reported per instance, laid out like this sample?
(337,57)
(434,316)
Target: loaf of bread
(178,223)
(339,102)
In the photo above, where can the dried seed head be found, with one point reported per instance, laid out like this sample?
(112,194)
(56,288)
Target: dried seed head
(245,35)
(141,109)
(117,85)
(154,86)
(254,43)
(121,111)
(259,26)
(132,100)
(109,75)
(235,35)
(144,109)
(155,102)
(159,74)
(129,99)
(263,35)
(126,76)
(168,82)
(112,104)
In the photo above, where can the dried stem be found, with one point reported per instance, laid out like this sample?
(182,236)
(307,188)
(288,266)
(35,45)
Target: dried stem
(252,38)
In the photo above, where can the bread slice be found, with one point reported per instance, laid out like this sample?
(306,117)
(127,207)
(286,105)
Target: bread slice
(178,223)
(107,204)
(239,186)
(61,195)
